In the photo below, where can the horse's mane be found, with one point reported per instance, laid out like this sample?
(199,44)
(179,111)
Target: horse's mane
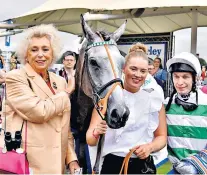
(105,35)
(80,65)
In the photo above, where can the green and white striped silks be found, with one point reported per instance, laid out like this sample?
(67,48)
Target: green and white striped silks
(187,131)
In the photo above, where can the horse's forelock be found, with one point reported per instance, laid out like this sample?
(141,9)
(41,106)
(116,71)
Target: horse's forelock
(106,35)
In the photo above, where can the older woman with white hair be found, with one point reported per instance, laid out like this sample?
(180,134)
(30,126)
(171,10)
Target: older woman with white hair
(41,99)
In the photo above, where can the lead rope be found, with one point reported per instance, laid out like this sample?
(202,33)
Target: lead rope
(126,162)
(102,105)
(109,56)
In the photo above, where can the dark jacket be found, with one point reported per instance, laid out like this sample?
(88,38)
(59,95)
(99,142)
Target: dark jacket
(63,74)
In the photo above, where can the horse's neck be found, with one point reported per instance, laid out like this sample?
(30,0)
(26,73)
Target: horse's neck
(82,79)
(82,99)
(81,111)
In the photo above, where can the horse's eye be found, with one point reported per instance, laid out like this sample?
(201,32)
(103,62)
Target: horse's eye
(94,63)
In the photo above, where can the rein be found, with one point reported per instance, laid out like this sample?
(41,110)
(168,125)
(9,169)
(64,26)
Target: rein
(100,104)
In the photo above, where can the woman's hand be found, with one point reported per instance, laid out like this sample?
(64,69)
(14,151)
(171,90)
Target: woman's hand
(101,128)
(97,126)
(73,166)
(71,85)
(143,151)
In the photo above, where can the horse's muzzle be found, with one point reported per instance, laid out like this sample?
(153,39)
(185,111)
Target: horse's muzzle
(117,118)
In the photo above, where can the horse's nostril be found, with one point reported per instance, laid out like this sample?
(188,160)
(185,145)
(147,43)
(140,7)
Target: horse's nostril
(116,117)
(115,114)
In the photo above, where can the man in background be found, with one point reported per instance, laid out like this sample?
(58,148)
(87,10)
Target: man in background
(68,72)
(69,61)
(151,71)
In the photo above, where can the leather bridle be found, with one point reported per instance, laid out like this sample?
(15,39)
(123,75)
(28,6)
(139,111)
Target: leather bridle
(100,103)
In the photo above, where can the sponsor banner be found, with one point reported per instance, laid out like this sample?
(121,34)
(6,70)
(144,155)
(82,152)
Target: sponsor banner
(154,49)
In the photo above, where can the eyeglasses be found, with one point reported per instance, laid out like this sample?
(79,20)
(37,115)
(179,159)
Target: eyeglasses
(69,60)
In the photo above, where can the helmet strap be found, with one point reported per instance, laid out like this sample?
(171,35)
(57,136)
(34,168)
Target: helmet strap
(194,89)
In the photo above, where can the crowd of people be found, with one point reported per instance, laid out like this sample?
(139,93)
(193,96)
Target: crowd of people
(175,126)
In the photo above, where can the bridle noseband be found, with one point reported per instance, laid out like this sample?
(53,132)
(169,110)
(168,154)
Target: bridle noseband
(100,104)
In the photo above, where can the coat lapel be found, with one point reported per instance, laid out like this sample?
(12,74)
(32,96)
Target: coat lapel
(37,79)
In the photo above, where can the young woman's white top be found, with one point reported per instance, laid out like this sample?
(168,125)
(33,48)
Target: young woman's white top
(144,107)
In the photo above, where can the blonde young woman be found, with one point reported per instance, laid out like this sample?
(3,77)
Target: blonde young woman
(41,97)
(145,129)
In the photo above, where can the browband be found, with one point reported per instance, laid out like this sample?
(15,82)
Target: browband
(100,44)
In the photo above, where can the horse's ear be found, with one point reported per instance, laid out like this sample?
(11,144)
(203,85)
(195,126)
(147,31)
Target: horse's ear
(87,31)
(117,34)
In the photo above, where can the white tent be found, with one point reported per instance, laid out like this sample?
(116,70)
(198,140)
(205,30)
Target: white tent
(158,16)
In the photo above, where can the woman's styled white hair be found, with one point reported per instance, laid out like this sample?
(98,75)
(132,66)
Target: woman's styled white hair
(47,30)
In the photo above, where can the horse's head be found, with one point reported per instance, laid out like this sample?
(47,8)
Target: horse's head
(104,72)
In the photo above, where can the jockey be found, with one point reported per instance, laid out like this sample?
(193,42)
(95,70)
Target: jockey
(186,111)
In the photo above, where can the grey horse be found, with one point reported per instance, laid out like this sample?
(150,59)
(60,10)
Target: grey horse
(94,78)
